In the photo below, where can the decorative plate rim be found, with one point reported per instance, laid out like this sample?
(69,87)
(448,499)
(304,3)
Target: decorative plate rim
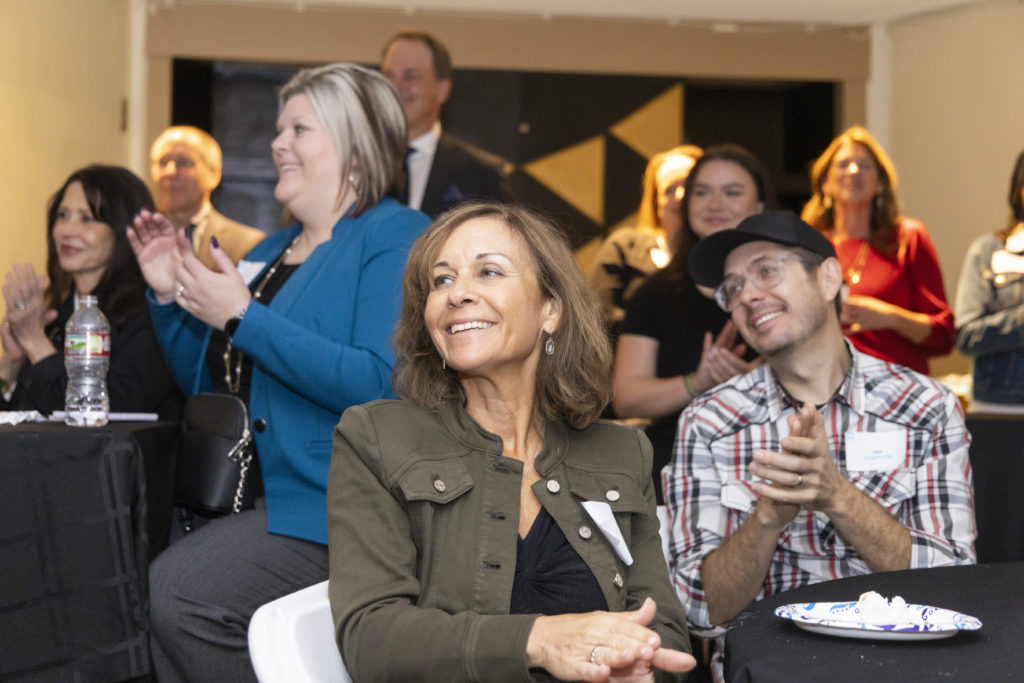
(939,619)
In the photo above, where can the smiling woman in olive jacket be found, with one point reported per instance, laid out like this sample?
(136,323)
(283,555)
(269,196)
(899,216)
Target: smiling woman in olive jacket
(488,528)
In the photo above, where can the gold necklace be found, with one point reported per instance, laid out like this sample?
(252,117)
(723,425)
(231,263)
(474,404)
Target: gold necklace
(236,381)
(853,273)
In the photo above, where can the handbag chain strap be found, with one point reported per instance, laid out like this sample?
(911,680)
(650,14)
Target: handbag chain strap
(243,469)
(242,454)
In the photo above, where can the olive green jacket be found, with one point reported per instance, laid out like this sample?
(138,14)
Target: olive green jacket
(423,515)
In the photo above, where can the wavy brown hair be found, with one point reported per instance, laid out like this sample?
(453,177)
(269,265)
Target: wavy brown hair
(885,211)
(573,384)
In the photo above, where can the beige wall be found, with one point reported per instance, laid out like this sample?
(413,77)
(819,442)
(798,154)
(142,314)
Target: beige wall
(63,80)
(957,102)
(477,41)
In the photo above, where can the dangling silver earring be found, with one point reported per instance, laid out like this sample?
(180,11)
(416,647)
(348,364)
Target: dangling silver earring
(443,366)
(549,346)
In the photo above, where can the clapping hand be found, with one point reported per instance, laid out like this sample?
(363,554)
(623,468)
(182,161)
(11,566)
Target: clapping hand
(156,244)
(722,358)
(603,646)
(213,297)
(24,328)
(804,473)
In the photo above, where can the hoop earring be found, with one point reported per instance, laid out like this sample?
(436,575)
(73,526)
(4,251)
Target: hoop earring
(549,346)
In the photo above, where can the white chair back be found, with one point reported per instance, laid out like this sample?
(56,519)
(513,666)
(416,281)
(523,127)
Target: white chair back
(291,640)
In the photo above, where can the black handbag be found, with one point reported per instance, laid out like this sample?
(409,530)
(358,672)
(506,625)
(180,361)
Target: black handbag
(214,456)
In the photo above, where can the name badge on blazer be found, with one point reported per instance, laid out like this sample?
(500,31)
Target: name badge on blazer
(866,451)
(250,269)
(601,513)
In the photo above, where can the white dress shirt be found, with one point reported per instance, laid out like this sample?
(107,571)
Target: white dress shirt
(419,161)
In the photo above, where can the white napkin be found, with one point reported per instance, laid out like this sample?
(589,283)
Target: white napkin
(13,417)
(601,513)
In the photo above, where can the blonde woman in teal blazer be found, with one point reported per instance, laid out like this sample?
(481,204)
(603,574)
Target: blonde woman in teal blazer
(307,316)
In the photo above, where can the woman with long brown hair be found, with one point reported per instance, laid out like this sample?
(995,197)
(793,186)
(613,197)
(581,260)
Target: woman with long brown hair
(896,307)
(489,527)
(87,254)
(676,342)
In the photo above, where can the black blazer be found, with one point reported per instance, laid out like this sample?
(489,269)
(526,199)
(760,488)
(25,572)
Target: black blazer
(459,172)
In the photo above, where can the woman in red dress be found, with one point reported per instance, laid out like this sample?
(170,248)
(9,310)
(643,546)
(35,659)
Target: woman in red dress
(896,309)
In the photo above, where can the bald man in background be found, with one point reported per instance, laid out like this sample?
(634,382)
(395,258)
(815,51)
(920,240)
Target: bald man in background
(186,167)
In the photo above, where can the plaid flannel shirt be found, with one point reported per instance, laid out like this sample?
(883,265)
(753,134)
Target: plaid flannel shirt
(708,485)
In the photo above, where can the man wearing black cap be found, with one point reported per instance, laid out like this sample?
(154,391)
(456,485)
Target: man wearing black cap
(823,462)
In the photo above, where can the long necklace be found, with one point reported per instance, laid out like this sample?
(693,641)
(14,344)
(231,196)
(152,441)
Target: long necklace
(234,379)
(853,273)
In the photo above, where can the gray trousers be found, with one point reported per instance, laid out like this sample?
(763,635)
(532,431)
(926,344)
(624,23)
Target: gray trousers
(204,589)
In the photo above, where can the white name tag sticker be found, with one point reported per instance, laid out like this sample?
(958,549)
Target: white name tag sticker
(250,269)
(867,451)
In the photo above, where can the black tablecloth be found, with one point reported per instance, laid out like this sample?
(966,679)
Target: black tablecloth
(80,517)
(763,648)
(997,463)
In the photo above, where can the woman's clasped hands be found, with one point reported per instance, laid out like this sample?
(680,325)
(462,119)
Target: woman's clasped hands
(603,646)
(176,274)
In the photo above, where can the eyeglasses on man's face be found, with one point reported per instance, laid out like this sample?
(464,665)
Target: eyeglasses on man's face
(764,272)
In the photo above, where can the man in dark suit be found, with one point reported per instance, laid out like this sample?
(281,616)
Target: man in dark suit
(442,170)
(186,167)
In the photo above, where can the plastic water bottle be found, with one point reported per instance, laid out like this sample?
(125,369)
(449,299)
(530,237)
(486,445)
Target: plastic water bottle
(86,359)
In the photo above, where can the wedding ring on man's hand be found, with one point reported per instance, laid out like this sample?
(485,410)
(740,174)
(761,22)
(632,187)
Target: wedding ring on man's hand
(179,291)
(799,481)
(21,305)
(593,654)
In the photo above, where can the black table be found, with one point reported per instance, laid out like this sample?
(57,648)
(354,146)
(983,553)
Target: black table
(997,463)
(762,648)
(82,511)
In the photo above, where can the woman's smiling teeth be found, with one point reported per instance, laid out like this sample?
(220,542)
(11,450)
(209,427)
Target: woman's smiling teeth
(472,325)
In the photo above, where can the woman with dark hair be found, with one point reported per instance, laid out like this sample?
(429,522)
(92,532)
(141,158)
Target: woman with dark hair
(299,331)
(896,308)
(990,307)
(676,343)
(633,252)
(87,253)
(489,527)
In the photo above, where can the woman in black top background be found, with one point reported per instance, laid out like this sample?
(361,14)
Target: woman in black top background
(87,253)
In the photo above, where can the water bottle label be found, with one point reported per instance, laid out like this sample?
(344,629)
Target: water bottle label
(87,344)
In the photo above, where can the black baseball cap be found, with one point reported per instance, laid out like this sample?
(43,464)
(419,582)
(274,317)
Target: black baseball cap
(707,260)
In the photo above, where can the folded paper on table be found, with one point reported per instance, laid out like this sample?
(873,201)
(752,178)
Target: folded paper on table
(14,417)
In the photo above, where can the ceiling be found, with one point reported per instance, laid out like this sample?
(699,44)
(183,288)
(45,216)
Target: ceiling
(809,12)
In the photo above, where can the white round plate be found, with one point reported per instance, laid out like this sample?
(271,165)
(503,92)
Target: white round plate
(844,619)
